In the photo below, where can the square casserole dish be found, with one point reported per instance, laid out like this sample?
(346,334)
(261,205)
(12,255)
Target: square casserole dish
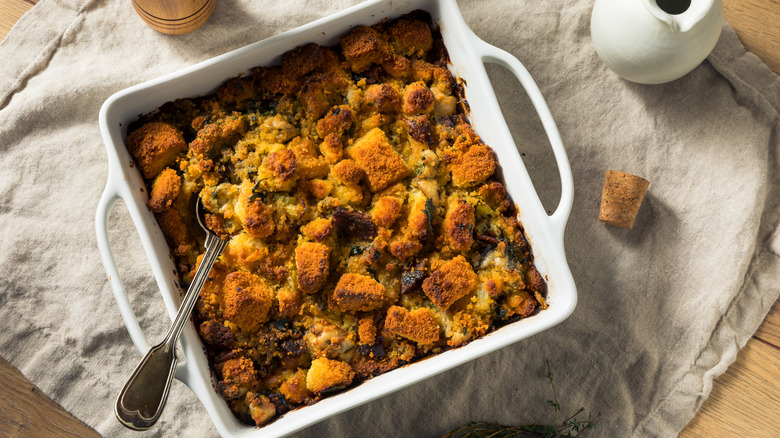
(467,56)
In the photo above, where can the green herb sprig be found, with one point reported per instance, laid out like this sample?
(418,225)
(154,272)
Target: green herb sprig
(569,428)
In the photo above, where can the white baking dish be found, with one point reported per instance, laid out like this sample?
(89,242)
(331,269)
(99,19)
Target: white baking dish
(467,53)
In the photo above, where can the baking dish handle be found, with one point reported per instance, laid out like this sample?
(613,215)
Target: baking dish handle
(110,195)
(495,55)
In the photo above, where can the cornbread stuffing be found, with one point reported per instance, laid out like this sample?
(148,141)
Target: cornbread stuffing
(366,225)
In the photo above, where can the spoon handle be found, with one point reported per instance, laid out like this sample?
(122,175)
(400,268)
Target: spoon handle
(214,247)
(141,401)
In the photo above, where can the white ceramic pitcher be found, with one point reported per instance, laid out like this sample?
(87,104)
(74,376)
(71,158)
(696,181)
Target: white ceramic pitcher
(655,41)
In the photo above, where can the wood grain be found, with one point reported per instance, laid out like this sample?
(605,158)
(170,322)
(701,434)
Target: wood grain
(745,401)
(757,24)
(769,331)
(10,12)
(25,412)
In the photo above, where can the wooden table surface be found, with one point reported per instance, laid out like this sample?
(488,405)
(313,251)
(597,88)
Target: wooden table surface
(745,401)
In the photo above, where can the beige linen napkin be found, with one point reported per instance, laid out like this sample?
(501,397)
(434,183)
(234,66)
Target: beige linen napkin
(663,307)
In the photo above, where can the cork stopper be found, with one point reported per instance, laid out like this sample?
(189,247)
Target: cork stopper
(621,198)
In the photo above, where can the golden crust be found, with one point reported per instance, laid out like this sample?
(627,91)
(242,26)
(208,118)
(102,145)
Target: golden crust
(376,157)
(282,164)
(236,90)
(410,37)
(318,229)
(274,80)
(362,47)
(238,377)
(326,373)
(520,303)
(355,292)
(473,167)
(211,293)
(418,99)
(312,262)
(216,335)
(336,121)
(459,225)
(418,325)
(258,221)
(175,231)
(307,162)
(451,282)
(396,66)
(348,172)
(422,70)
(386,210)
(303,59)
(367,331)
(494,194)
(320,91)
(332,148)
(247,300)
(294,388)
(290,302)
(214,136)
(165,188)
(404,249)
(382,97)
(239,371)
(155,145)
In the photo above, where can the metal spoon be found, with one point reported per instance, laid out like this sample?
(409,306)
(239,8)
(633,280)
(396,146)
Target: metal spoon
(143,397)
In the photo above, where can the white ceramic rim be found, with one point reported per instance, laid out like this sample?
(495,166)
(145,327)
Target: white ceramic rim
(467,54)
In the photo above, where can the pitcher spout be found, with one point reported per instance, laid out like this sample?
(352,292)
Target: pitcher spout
(679,15)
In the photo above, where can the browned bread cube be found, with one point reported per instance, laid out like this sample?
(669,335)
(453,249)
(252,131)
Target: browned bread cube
(454,280)
(418,99)
(294,388)
(355,292)
(238,377)
(382,97)
(336,121)
(214,136)
(386,210)
(274,80)
(378,159)
(258,220)
(327,373)
(321,91)
(410,37)
(348,172)
(418,325)
(303,60)
(165,188)
(247,300)
(459,225)
(475,166)
(367,331)
(236,90)
(362,47)
(318,229)
(282,164)
(312,262)
(155,145)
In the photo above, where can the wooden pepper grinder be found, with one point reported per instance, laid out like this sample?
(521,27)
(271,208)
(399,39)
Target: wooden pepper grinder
(174,17)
